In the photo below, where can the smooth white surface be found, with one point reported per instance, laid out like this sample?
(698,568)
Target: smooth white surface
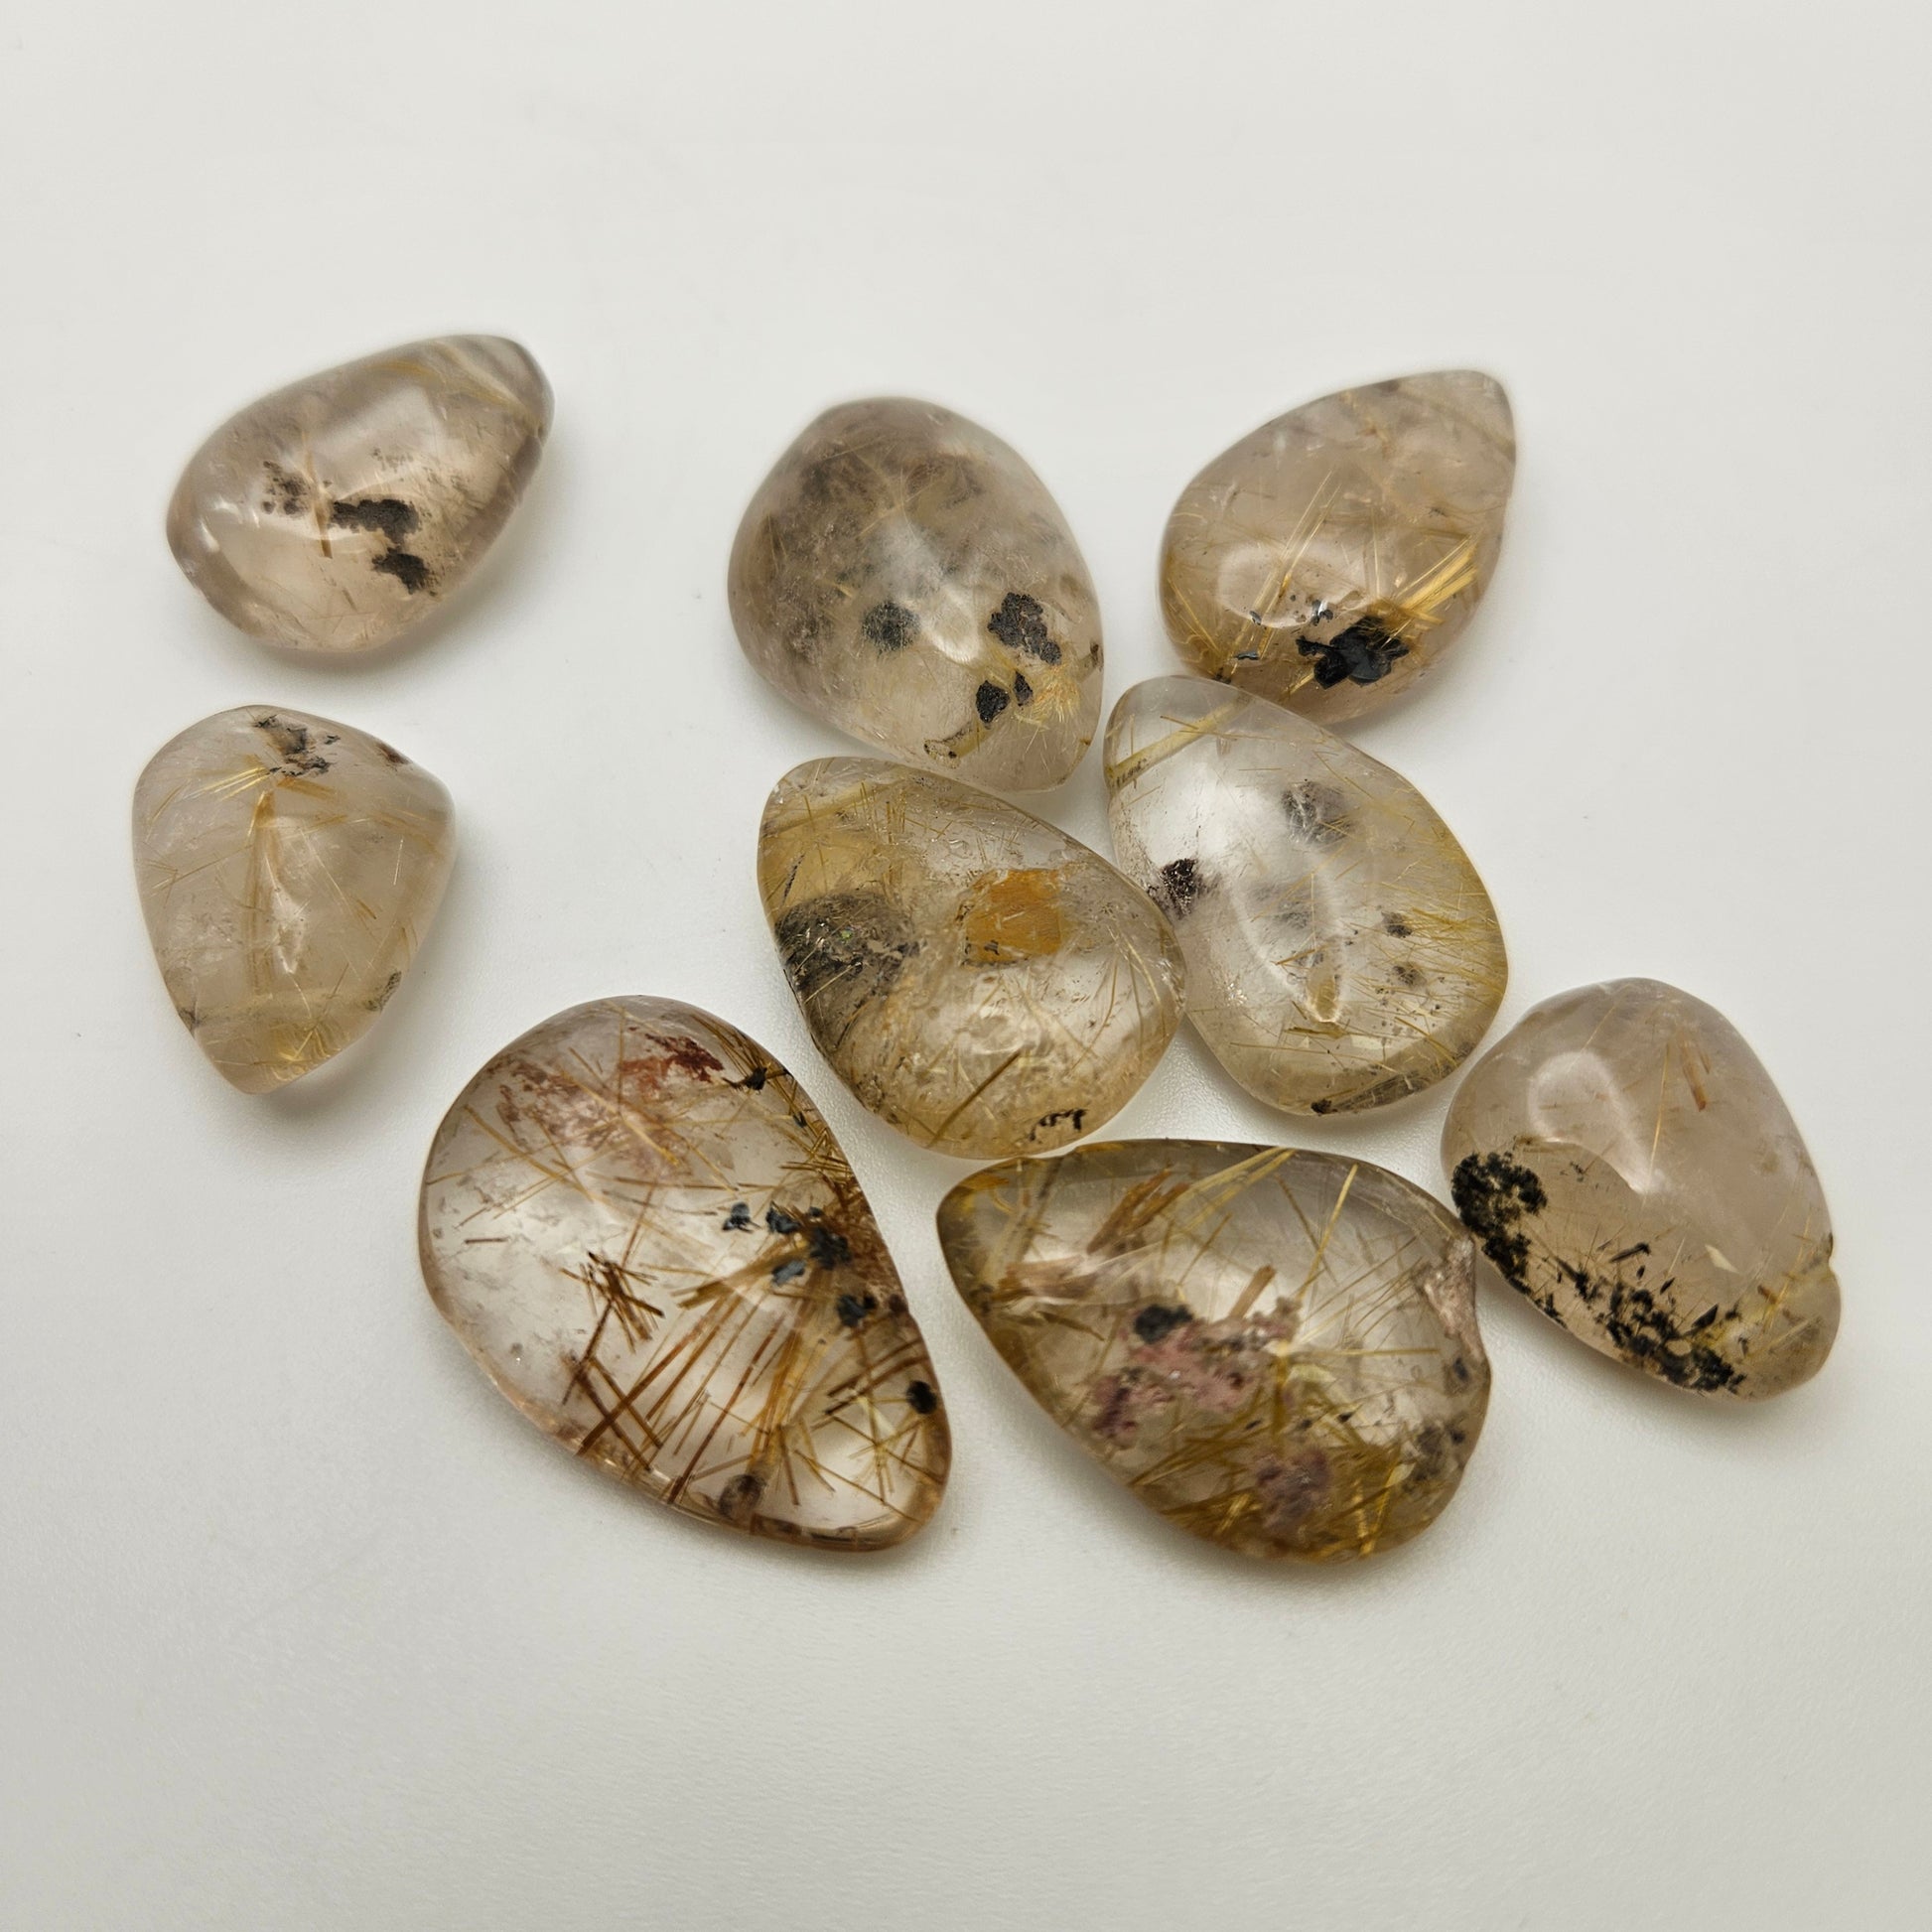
(301,1626)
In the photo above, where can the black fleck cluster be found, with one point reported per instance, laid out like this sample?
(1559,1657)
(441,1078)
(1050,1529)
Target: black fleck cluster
(1492,1193)
(1020,624)
(1364,653)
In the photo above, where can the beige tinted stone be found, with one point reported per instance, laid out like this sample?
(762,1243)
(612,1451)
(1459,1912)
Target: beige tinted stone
(338,512)
(906,575)
(979,979)
(289,867)
(1342,952)
(1628,1164)
(643,1230)
(1329,559)
(1276,1349)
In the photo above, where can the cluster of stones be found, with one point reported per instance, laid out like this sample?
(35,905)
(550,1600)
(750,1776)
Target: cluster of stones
(637,1220)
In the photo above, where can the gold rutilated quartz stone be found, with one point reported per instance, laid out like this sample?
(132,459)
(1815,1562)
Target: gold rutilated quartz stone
(978,979)
(1342,952)
(906,575)
(1329,559)
(1626,1162)
(639,1226)
(338,512)
(289,868)
(1276,1349)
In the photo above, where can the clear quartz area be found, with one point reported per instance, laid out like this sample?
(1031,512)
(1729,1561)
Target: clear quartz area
(1274,1348)
(289,867)
(904,574)
(980,980)
(645,1235)
(1629,1167)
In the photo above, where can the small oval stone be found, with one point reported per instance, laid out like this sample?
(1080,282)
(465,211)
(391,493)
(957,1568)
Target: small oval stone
(1274,1348)
(1342,952)
(1330,558)
(641,1227)
(1628,1166)
(289,868)
(906,575)
(337,514)
(980,980)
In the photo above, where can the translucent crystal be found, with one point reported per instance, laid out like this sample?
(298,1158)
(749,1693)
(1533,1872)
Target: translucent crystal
(647,1237)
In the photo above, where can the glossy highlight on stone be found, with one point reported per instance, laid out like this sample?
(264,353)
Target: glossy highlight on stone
(337,514)
(643,1230)
(980,980)
(1342,952)
(1274,1348)
(289,868)
(906,575)
(1330,558)
(1627,1163)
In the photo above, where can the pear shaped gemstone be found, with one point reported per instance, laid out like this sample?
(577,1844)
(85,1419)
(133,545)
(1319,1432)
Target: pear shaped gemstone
(906,575)
(1330,558)
(288,866)
(1342,952)
(1276,1349)
(980,980)
(338,512)
(649,1239)
(1627,1163)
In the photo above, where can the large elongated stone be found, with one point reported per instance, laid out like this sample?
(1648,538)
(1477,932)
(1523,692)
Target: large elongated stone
(649,1239)
(289,867)
(1342,952)
(338,512)
(976,977)
(1330,558)
(906,575)
(1628,1164)
(1276,1349)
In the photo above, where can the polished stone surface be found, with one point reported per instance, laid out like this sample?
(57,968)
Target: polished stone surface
(906,575)
(646,1236)
(1332,557)
(289,868)
(1628,1164)
(1276,1349)
(980,980)
(1342,952)
(337,514)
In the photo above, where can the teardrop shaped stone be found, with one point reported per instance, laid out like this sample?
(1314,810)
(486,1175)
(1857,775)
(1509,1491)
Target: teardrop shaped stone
(1330,558)
(906,575)
(338,512)
(647,1237)
(1342,952)
(1627,1163)
(980,980)
(1276,1349)
(289,868)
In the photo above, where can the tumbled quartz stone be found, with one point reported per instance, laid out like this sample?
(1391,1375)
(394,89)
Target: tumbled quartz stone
(1276,1349)
(1627,1163)
(289,868)
(906,575)
(978,979)
(1329,559)
(649,1239)
(1342,952)
(339,511)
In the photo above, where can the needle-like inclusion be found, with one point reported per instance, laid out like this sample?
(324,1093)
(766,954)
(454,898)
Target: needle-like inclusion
(904,574)
(980,980)
(337,514)
(288,867)
(1274,1348)
(1332,557)
(1628,1164)
(647,1237)
(1342,952)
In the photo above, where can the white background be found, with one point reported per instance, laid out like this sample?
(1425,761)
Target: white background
(301,1626)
